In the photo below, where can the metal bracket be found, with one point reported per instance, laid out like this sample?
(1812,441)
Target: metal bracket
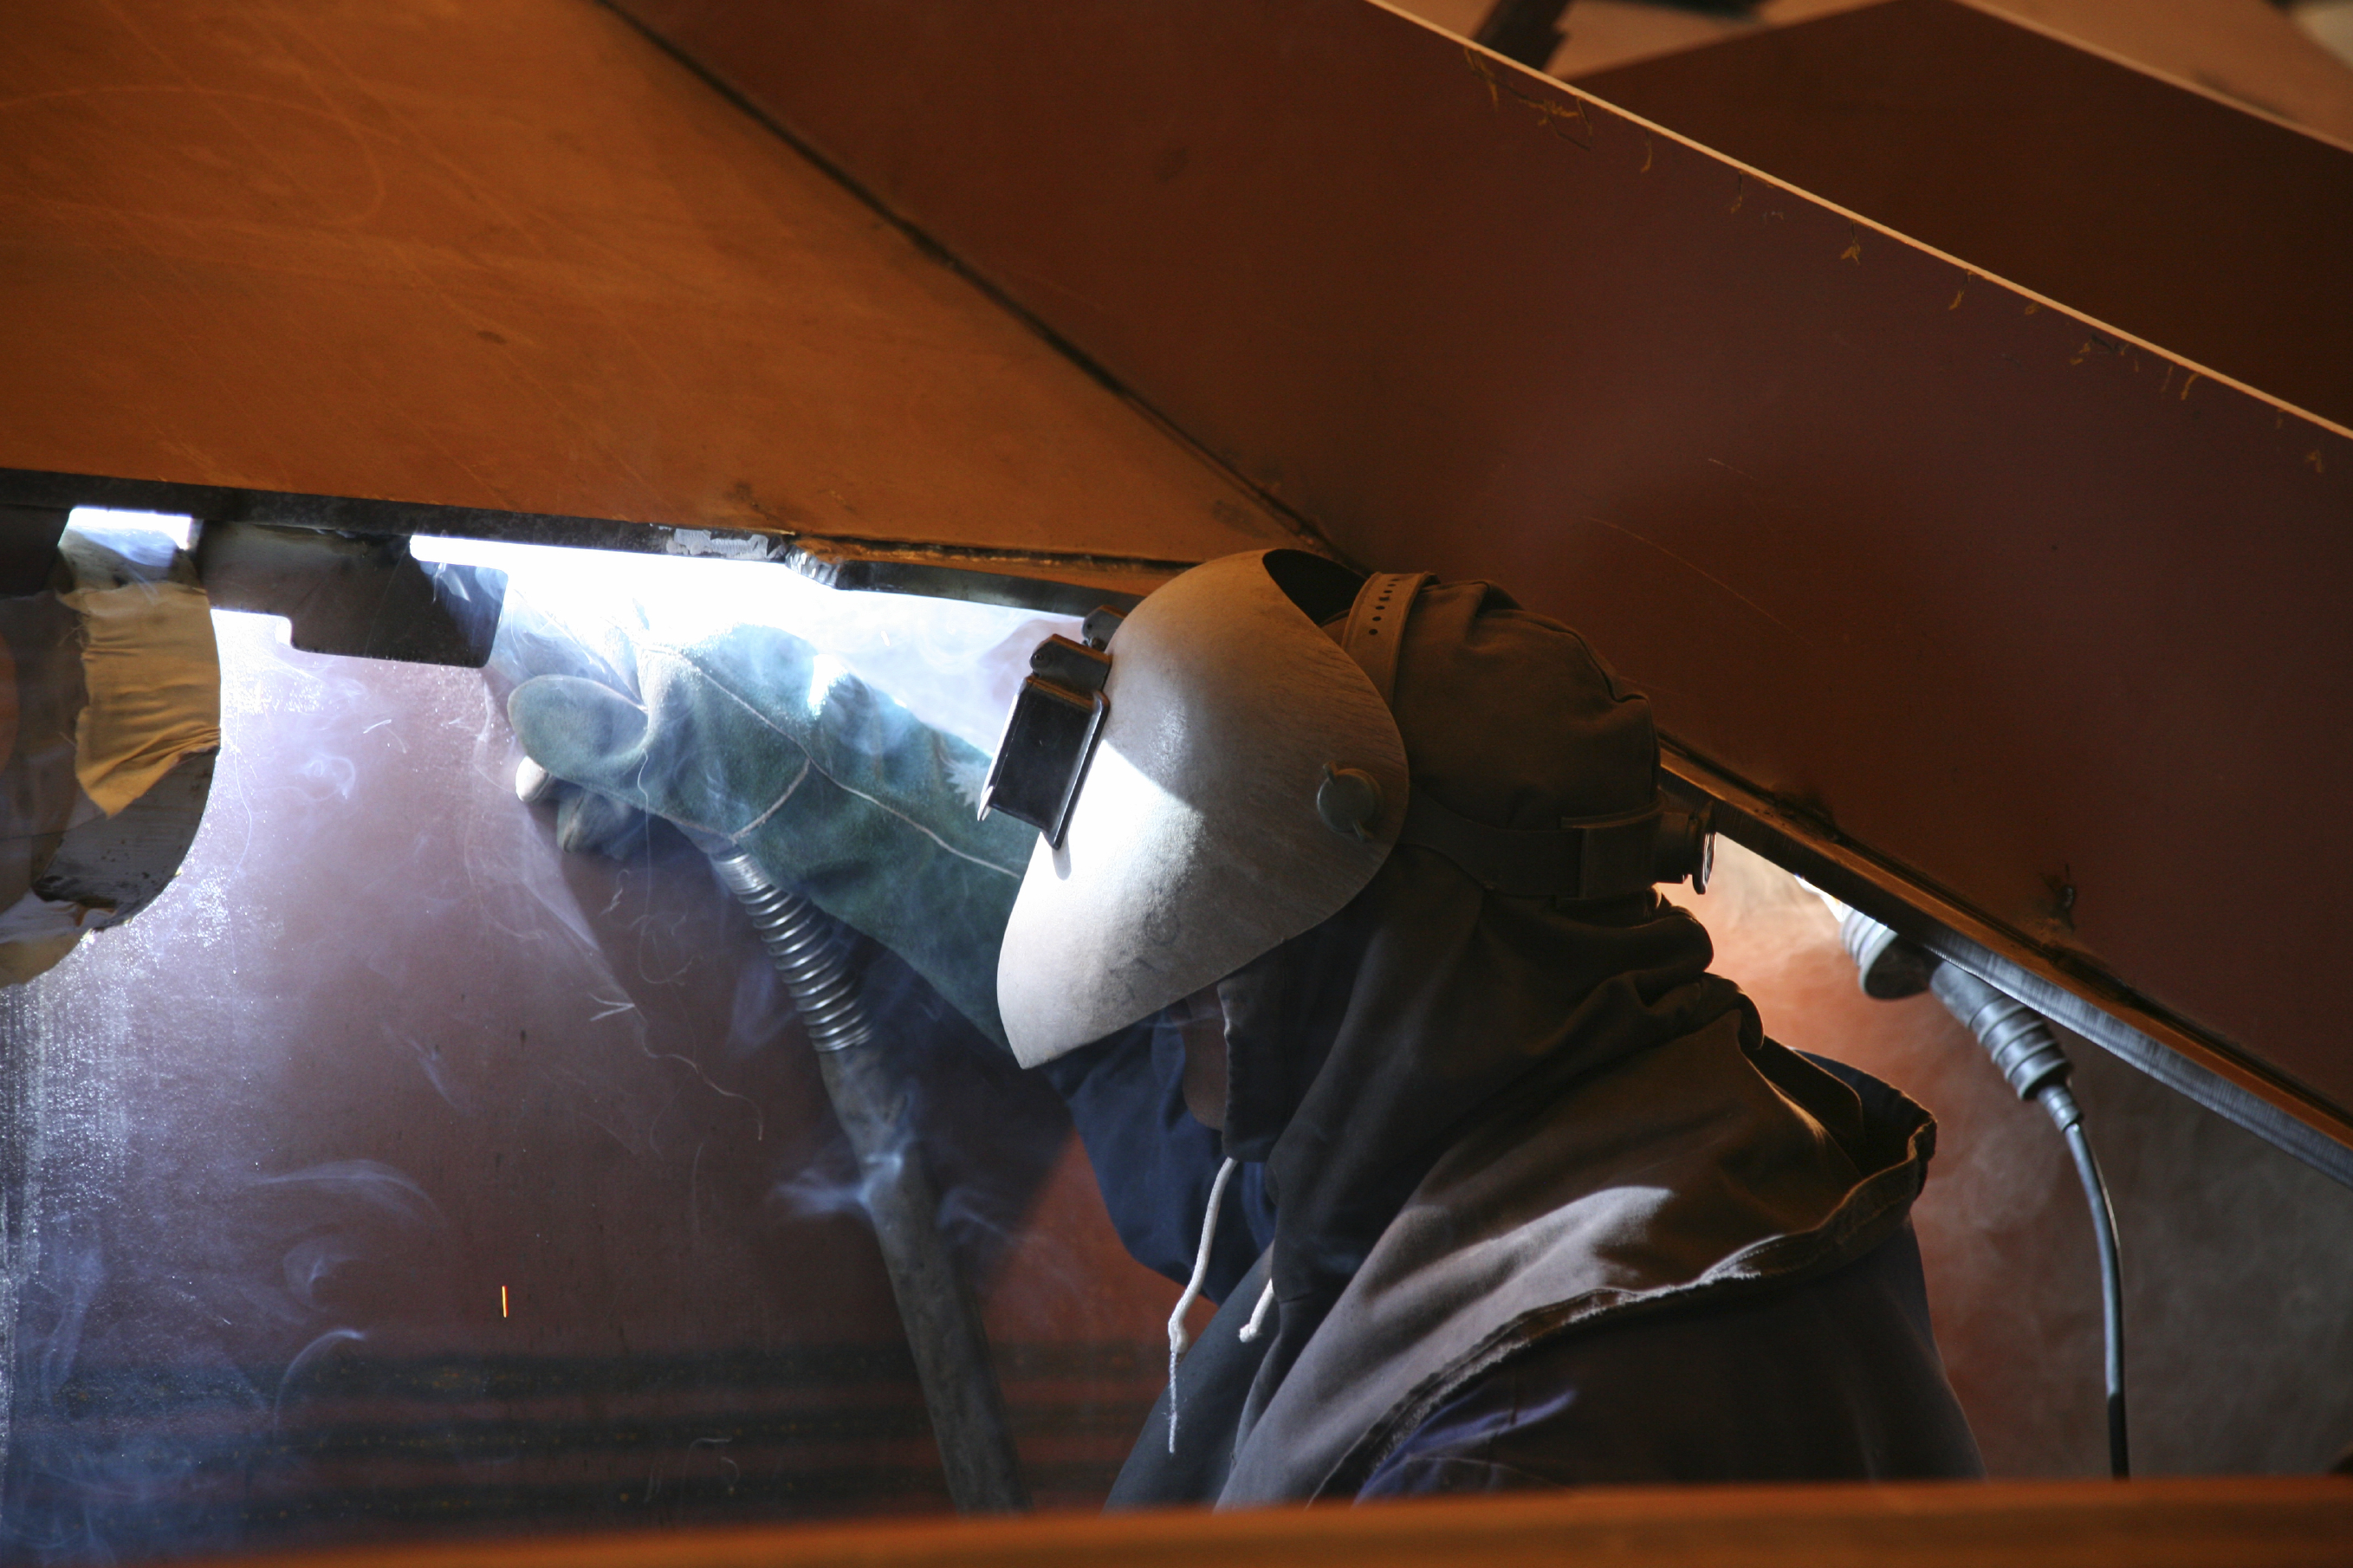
(358,594)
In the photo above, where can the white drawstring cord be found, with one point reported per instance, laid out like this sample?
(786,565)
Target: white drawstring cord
(1257,1325)
(1180,1337)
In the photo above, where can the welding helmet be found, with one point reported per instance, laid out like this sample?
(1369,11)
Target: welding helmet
(1216,773)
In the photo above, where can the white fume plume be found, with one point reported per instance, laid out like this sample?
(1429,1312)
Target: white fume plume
(955,665)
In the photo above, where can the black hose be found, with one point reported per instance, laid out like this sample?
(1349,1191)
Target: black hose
(2021,1045)
(936,1304)
(2112,1281)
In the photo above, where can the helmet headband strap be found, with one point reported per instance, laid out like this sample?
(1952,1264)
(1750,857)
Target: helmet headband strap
(1375,628)
(1583,858)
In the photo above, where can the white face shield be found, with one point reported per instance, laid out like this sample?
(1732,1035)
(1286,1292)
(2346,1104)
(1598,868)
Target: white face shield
(1236,780)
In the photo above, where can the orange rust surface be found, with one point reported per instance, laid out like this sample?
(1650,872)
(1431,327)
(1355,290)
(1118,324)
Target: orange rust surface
(2248,1524)
(2047,616)
(514,258)
(2174,216)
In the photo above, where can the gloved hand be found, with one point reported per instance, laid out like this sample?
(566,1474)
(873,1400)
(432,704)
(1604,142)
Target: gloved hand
(832,787)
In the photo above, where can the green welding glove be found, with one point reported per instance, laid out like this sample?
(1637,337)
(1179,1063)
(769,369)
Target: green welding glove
(755,738)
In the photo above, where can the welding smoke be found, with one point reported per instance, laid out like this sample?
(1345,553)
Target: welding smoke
(383,1058)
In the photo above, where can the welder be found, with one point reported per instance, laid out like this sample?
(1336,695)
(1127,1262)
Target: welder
(1330,903)
(110,725)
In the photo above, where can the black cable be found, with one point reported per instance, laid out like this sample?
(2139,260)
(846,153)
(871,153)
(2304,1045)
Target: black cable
(2112,1281)
(2021,1045)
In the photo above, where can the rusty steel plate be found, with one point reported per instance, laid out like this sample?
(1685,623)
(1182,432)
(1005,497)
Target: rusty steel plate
(2043,619)
(453,268)
(2174,215)
(2257,1521)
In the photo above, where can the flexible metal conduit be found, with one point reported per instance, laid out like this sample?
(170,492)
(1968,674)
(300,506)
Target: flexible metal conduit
(936,1305)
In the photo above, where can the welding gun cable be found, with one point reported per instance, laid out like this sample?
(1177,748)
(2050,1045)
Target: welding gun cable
(2112,1284)
(2029,1056)
(2020,1041)
(935,1303)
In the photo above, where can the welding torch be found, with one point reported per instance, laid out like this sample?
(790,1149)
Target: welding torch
(935,1301)
(936,1304)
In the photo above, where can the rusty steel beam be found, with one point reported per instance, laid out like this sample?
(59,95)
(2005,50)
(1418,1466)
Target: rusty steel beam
(2042,619)
(2268,1523)
(1968,588)
(394,269)
(2170,214)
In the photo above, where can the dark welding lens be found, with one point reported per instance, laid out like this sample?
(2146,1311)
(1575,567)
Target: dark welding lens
(1044,755)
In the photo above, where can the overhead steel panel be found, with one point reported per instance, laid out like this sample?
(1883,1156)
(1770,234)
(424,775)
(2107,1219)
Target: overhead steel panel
(2036,620)
(2174,215)
(393,266)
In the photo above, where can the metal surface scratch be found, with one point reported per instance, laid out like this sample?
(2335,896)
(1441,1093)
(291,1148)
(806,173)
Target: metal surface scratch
(1702,572)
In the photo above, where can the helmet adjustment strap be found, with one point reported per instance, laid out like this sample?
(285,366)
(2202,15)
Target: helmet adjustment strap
(1584,857)
(1375,628)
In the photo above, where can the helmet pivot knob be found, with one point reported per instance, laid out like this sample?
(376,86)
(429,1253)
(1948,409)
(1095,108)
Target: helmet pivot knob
(1349,802)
